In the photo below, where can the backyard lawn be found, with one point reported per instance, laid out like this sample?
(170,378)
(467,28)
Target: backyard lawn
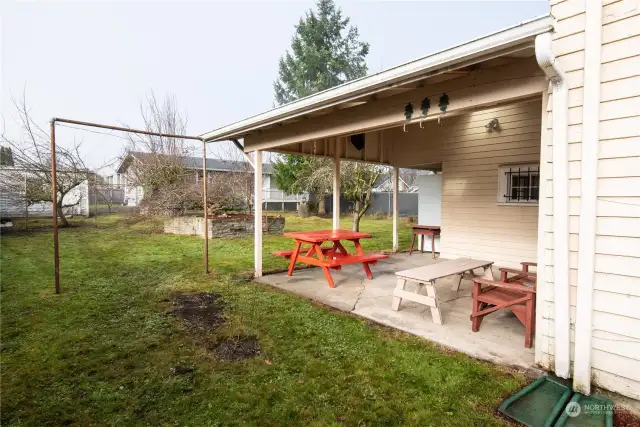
(123,345)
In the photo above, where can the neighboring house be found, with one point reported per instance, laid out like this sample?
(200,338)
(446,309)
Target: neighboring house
(133,194)
(13,182)
(536,132)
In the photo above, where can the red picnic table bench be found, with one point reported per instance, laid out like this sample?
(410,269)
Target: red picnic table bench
(329,257)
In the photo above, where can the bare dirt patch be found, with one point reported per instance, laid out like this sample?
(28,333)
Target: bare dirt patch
(234,349)
(622,418)
(202,311)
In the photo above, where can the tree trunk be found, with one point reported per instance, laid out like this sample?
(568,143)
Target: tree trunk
(356,216)
(63,220)
(322,209)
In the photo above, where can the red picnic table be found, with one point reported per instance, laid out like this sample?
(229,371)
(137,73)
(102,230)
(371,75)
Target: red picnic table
(329,257)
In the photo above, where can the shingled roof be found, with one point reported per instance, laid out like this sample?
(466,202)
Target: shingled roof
(217,165)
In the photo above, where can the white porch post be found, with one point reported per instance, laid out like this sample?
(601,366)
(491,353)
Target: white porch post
(336,186)
(257,208)
(395,208)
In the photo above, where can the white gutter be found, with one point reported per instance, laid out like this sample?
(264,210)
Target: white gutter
(451,58)
(588,199)
(548,63)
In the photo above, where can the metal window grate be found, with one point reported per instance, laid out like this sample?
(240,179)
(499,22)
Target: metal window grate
(523,184)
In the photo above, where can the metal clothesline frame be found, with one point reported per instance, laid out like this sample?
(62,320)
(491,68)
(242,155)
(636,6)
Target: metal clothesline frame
(54,182)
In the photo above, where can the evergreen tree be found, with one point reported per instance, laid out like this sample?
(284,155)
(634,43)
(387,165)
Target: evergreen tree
(325,52)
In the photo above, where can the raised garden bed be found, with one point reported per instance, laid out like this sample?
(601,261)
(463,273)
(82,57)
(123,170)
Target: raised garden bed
(222,226)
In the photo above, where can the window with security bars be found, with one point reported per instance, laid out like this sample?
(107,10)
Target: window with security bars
(519,184)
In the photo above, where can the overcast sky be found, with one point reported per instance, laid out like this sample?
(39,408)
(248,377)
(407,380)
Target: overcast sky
(95,61)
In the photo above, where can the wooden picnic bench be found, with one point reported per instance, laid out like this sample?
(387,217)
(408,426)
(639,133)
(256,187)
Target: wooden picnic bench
(426,276)
(516,293)
(329,257)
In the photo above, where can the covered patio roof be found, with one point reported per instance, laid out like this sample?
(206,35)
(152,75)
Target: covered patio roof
(515,42)
(373,118)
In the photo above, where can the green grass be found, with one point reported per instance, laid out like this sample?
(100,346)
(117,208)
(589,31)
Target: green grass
(102,352)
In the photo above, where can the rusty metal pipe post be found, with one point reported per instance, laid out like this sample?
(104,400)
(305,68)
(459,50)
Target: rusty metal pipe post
(54,192)
(204,205)
(124,129)
(54,206)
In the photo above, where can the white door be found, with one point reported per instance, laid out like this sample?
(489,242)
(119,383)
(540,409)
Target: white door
(429,205)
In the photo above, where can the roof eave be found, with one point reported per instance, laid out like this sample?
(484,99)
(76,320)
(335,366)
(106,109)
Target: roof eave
(121,166)
(444,60)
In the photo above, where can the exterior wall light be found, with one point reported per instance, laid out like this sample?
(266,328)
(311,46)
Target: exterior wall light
(494,124)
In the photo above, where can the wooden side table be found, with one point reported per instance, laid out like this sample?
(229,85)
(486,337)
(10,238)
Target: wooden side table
(424,230)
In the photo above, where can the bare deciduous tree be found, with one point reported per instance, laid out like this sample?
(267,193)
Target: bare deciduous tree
(231,190)
(32,156)
(305,174)
(158,166)
(319,180)
(358,180)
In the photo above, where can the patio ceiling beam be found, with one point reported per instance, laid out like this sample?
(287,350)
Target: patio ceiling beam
(508,83)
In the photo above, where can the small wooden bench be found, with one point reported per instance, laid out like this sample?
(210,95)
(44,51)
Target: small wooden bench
(424,230)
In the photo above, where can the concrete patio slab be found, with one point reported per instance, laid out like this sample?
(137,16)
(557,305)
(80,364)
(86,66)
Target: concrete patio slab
(501,336)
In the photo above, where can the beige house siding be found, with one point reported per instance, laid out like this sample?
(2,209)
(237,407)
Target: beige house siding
(616,340)
(473,223)
(616,318)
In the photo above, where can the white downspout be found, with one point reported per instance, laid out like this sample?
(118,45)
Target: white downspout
(547,61)
(588,199)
